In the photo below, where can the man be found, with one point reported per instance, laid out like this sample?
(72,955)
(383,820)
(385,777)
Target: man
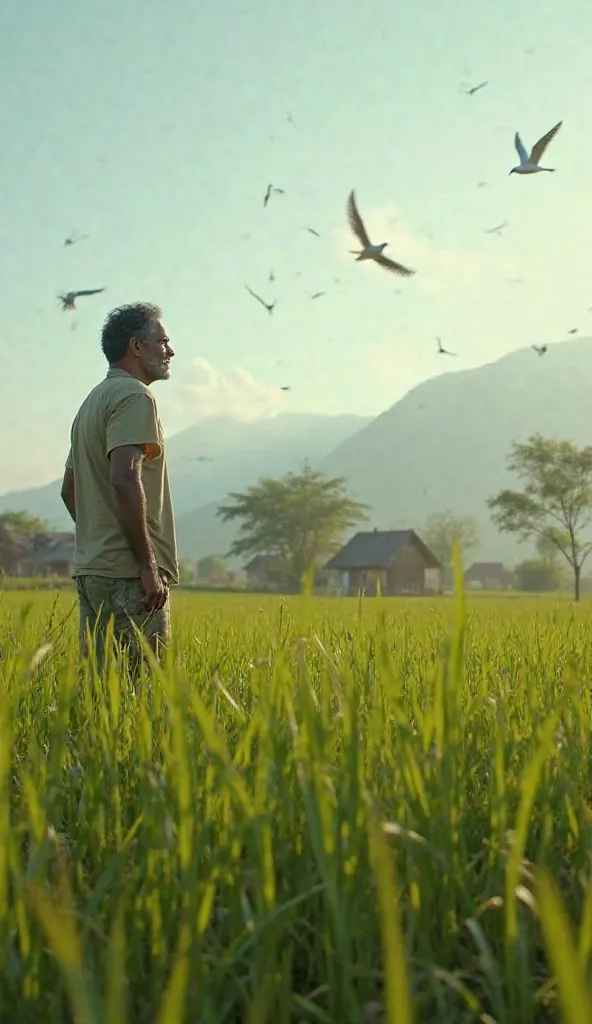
(116,489)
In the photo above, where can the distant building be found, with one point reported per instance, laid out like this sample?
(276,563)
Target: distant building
(14,547)
(398,560)
(488,576)
(265,572)
(39,554)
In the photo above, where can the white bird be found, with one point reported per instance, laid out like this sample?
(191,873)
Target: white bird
(369,251)
(530,164)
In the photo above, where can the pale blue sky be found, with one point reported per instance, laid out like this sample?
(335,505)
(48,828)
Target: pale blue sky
(155,128)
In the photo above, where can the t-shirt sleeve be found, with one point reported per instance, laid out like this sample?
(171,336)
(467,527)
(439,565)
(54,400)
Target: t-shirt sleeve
(69,461)
(133,421)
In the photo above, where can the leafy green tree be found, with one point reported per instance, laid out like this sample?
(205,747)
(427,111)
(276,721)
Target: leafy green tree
(186,571)
(300,518)
(555,502)
(536,575)
(442,529)
(547,550)
(23,522)
(211,566)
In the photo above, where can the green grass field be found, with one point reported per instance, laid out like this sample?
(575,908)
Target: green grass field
(318,811)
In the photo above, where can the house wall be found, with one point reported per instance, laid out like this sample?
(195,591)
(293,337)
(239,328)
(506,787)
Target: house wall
(489,582)
(367,580)
(407,574)
(265,579)
(433,581)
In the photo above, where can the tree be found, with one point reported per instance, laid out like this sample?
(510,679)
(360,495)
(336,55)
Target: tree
(23,522)
(547,550)
(556,501)
(186,571)
(211,567)
(536,575)
(299,518)
(443,528)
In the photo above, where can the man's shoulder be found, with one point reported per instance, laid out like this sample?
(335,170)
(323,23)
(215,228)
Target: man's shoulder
(110,391)
(124,386)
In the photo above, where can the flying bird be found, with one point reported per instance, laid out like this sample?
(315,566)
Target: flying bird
(316,295)
(313,232)
(286,387)
(530,164)
(497,230)
(271,188)
(73,238)
(443,351)
(369,251)
(574,330)
(69,299)
(475,88)
(540,349)
(271,276)
(268,306)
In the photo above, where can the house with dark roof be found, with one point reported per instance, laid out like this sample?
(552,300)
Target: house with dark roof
(488,576)
(41,554)
(397,561)
(14,548)
(265,572)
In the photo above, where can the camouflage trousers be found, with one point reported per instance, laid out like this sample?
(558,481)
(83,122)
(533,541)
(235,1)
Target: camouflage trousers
(102,598)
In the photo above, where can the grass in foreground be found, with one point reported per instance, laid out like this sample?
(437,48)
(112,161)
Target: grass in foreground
(317,812)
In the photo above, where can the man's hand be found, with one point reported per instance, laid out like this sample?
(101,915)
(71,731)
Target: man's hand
(155,589)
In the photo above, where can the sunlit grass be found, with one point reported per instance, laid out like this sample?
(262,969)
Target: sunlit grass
(318,810)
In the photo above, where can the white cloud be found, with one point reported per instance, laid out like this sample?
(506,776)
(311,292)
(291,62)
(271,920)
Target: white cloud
(438,269)
(207,391)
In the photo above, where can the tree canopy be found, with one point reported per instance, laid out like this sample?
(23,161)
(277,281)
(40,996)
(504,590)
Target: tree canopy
(300,518)
(23,522)
(555,502)
(443,528)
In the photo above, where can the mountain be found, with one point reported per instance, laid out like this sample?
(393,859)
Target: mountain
(240,452)
(445,444)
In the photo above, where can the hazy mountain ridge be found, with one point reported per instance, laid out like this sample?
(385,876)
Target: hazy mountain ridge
(241,451)
(444,445)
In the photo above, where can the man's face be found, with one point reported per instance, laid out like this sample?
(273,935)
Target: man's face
(156,354)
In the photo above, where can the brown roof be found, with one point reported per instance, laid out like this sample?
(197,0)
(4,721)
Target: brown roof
(377,549)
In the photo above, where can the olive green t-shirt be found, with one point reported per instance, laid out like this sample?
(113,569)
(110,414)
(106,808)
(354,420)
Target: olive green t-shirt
(118,411)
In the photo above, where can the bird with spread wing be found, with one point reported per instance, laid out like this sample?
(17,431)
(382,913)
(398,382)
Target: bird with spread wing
(529,164)
(69,299)
(370,251)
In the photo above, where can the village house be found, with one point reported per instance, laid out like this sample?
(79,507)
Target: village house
(34,555)
(14,547)
(488,576)
(397,561)
(265,572)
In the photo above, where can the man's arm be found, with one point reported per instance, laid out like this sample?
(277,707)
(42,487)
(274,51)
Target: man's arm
(125,475)
(68,493)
